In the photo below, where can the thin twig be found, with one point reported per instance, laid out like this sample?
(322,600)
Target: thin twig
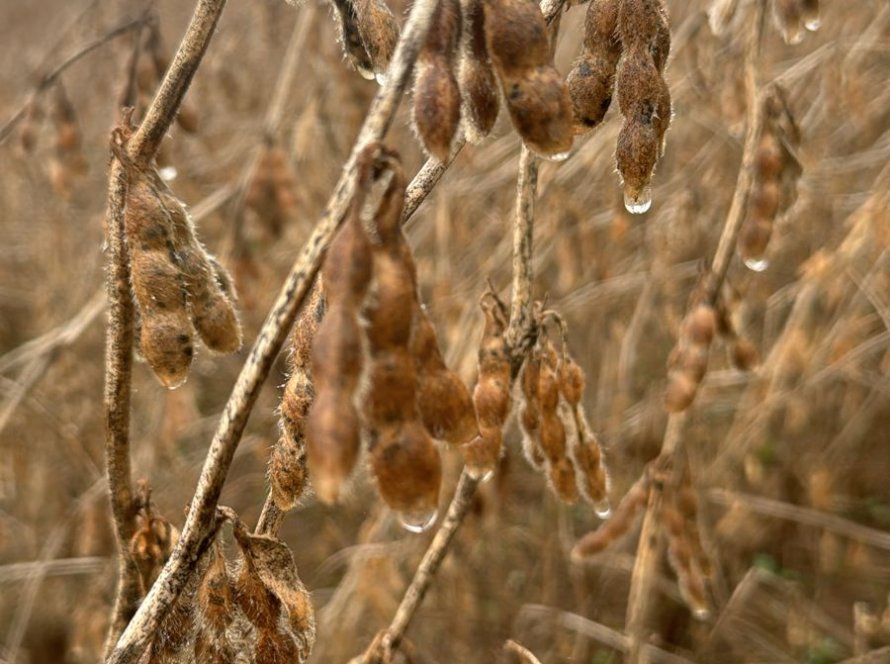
(51,77)
(805,515)
(201,514)
(651,543)
(597,631)
(140,150)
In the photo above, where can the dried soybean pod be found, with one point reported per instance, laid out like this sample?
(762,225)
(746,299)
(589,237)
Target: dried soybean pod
(643,97)
(287,465)
(378,31)
(436,93)
(443,400)
(165,336)
(618,524)
(389,311)
(592,78)
(482,454)
(479,94)
(348,265)
(212,310)
(392,384)
(530,411)
(680,550)
(408,471)
(562,479)
(536,97)
(216,611)
(491,396)
(638,21)
(351,39)
(272,596)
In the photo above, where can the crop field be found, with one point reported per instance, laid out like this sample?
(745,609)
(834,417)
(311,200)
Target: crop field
(458,331)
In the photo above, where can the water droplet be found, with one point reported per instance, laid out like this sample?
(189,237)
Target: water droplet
(756,264)
(640,203)
(366,74)
(481,475)
(381,78)
(168,173)
(418,522)
(813,24)
(559,156)
(793,36)
(701,613)
(602,508)
(172,382)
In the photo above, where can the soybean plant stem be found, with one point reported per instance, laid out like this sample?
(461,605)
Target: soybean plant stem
(650,547)
(197,531)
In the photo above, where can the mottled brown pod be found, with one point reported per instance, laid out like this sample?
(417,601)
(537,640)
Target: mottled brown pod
(445,404)
(436,93)
(408,470)
(643,97)
(287,465)
(351,39)
(480,100)
(536,97)
(378,31)
(592,78)
(617,525)
(491,396)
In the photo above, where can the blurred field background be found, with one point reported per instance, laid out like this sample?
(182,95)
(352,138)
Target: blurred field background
(791,461)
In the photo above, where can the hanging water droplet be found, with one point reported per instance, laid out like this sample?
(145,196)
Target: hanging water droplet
(756,264)
(602,508)
(813,24)
(559,156)
(640,203)
(381,78)
(168,173)
(418,522)
(366,74)
(793,36)
(701,613)
(173,383)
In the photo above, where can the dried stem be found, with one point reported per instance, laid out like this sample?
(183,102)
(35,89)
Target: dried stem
(523,233)
(200,519)
(119,337)
(118,366)
(650,547)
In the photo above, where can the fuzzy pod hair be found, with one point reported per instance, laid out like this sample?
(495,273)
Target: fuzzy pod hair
(480,99)
(592,79)
(643,96)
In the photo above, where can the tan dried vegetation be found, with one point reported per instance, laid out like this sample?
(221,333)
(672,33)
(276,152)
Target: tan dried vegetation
(402,291)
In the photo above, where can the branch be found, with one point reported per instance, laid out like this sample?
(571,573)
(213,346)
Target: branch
(270,339)
(120,332)
(651,544)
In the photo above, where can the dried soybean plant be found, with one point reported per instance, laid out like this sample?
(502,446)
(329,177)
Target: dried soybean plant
(367,379)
